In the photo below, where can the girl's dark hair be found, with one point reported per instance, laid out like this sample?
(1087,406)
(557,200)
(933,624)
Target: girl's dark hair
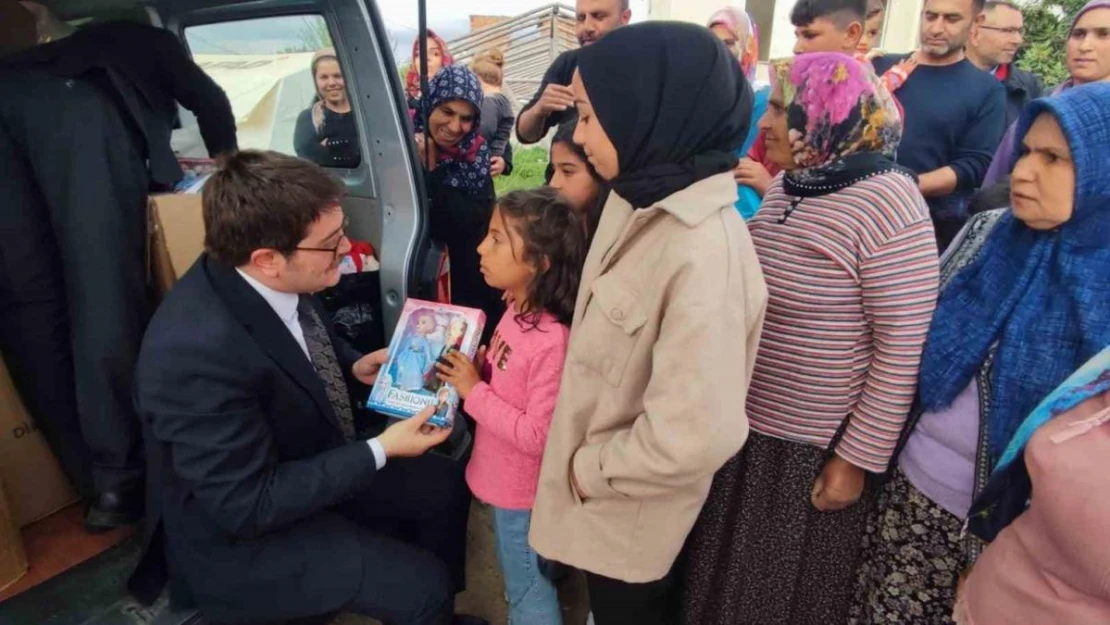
(565,134)
(553,235)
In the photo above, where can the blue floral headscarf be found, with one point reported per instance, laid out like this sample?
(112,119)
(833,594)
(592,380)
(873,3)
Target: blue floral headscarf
(466,166)
(1043,297)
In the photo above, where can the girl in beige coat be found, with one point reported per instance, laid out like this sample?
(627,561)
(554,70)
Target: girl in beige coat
(667,321)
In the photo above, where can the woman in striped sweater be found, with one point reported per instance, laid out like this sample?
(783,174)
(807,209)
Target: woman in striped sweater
(848,251)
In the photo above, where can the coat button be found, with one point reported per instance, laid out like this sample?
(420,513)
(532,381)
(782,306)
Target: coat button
(618,314)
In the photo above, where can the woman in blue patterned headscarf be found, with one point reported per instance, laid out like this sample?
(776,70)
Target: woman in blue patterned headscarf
(1025,301)
(456,162)
(456,152)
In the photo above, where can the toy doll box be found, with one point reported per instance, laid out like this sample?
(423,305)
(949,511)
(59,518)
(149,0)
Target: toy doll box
(408,383)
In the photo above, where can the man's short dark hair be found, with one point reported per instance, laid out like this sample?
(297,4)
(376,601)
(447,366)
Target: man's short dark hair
(264,200)
(840,12)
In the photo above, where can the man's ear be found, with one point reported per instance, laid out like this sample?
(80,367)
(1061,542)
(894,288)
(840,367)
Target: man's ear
(270,263)
(626,16)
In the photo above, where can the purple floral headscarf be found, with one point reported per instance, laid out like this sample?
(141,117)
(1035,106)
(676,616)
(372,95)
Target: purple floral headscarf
(835,107)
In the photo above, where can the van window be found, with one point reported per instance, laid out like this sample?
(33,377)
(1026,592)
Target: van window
(285,84)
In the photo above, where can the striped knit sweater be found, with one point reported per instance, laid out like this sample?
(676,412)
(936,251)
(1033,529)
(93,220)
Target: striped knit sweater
(852,278)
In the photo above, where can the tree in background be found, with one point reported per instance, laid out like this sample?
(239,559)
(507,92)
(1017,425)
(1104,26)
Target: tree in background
(1047,23)
(313,35)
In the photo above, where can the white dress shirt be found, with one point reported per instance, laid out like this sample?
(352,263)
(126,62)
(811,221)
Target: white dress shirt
(285,306)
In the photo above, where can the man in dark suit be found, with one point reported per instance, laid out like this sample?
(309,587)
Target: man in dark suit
(261,499)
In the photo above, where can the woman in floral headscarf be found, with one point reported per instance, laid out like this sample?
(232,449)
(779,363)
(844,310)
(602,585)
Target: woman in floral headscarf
(738,32)
(438,58)
(456,161)
(847,248)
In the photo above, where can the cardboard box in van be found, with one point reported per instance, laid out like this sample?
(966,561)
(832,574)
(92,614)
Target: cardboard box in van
(34,481)
(13,559)
(176,236)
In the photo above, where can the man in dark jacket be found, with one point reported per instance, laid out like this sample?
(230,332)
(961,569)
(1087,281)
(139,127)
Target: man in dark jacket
(553,103)
(995,40)
(263,500)
(85,122)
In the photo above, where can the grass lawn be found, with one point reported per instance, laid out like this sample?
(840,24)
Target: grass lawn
(529,165)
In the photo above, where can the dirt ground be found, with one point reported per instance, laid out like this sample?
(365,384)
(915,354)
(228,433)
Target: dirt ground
(485,595)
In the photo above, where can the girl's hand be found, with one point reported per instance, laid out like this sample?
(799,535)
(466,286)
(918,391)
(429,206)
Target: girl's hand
(496,166)
(752,174)
(460,372)
(840,485)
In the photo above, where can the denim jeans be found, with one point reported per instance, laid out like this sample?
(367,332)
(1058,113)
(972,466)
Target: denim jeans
(532,597)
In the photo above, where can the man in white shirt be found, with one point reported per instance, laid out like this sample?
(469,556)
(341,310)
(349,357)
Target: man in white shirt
(263,504)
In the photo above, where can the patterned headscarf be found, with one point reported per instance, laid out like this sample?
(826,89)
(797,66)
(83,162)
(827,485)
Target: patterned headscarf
(744,28)
(843,124)
(412,77)
(1043,297)
(467,165)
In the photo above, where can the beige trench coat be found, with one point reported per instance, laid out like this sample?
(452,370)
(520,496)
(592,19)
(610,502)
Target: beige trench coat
(651,405)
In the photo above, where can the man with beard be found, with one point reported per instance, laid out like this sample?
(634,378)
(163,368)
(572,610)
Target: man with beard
(995,41)
(955,114)
(553,104)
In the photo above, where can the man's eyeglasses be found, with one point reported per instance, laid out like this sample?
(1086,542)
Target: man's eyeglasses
(1020,32)
(334,251)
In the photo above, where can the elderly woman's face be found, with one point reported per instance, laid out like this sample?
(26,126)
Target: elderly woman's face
(451,122)
(1043,183)
(774,127)
(589,134)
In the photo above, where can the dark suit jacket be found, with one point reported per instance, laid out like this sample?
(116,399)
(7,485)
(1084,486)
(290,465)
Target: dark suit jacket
(148,72)
(245,459)
(1022,87)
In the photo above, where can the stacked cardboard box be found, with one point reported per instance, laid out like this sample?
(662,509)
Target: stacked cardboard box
(13,560)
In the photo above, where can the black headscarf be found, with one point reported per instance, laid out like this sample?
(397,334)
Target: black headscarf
(674,102)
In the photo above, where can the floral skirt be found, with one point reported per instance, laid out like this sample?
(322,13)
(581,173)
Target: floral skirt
(914,557)
(761,554)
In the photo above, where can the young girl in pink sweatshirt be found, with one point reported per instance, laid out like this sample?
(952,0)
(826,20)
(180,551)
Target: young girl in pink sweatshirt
(534,251)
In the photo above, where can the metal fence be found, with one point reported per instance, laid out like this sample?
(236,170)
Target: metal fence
(529,42)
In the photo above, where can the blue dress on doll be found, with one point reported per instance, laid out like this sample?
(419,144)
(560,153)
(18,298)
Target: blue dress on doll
(412,363)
